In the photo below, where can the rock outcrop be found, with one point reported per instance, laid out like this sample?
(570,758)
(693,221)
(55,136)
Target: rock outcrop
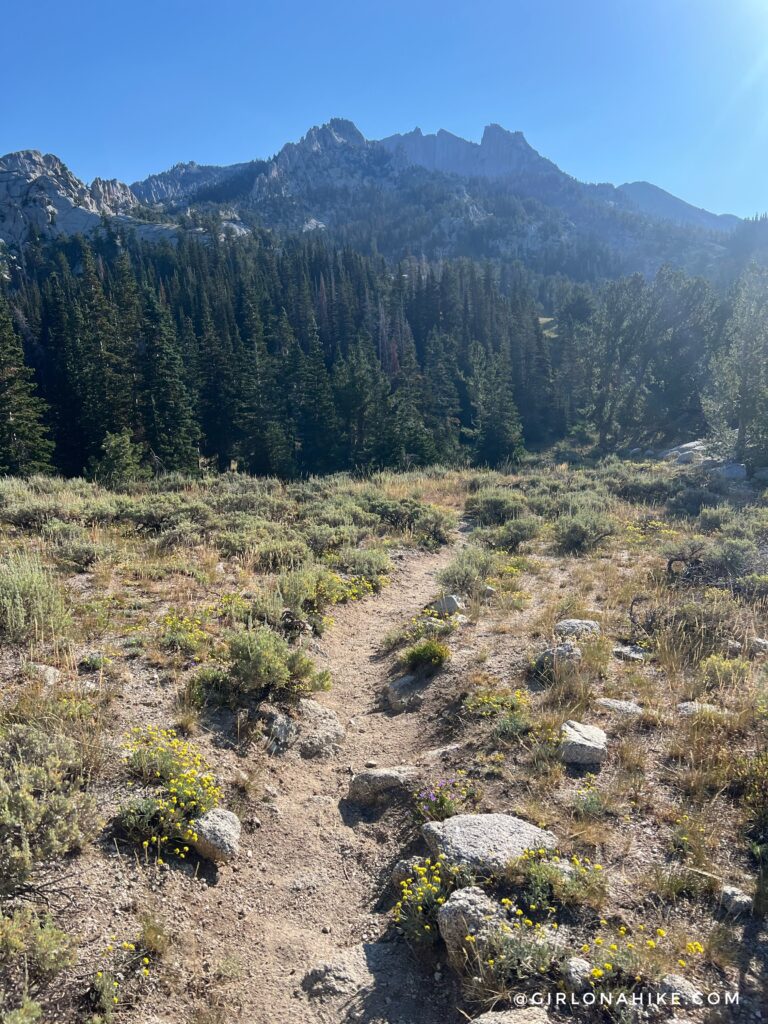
(485,843)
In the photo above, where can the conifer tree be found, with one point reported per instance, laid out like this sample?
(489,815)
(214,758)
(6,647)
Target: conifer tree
(24,444)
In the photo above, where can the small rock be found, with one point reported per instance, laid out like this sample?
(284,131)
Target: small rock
(561,654)
(218,835)
(577,628)
(675,985)
(329,980)
(467,912)
(320,731)
(488,593)
(735,901)
(521,1015)
(629,652)
(733,648)
(371,764)
(377,784)
(485,843)
(404,694)
(757,646)
(621,707)
(582,744)
(405,869)
(280,729)
(689,708)
(576,973)
(47,674)
(448,605)
(731,471)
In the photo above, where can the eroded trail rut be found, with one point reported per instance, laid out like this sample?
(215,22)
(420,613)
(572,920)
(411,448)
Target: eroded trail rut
(308,893)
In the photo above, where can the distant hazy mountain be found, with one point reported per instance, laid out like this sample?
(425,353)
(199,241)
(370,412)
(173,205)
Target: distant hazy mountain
(655,202)
(436,195)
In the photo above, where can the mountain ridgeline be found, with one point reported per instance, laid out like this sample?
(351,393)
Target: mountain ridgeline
(436,196)
(353,304)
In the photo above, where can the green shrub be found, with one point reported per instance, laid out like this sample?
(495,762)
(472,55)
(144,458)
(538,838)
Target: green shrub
(583,531)
(184,789)
(512,534)
(426,654)
(469,571)
(33,947)
(31,601)
(718,672)
(539,882)
(30,1012)
(495,506)
(421,897)
(445,798)
(371,564)
(428,625)
(262,664)
(747,777)
(434,526)
(44,813)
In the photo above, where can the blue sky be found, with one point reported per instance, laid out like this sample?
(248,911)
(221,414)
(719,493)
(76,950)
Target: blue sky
(670,91)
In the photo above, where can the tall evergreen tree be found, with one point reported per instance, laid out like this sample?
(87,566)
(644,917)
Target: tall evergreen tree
(24,444)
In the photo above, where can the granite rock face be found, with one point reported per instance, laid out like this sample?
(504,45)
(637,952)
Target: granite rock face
(485,843)
(39,193)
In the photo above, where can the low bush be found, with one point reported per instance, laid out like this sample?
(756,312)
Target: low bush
(429,654)
(426,626)
(720,673)
(263,664)
(421,897)
(183,788)
(44,811)
(511,535)
(469,571)
(371,564)
(445,798)
(495,506)
(543,879)
(583,531)
(32,948)
(32,605)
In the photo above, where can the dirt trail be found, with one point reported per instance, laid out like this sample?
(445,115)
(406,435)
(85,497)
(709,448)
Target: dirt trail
(307,895)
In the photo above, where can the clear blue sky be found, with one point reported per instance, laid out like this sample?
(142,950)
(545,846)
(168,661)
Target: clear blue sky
(671,91)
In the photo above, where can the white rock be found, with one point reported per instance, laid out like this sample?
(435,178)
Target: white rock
(735,900)
(680,989)
(731,471)
(580,628)
(582,744)
(377,784)
(405,869)
(404,694)
(689,708)
(576,973)
(629,652)
(522,1015)
(280,729)
(621,707)
(218,835)
(320,731)
(47,674)
(485,843)
(561,654)
(757,646)
(467,912)
(448,605)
